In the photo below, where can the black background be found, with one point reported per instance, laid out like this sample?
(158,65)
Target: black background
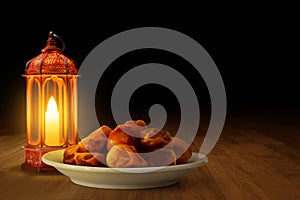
(255,49)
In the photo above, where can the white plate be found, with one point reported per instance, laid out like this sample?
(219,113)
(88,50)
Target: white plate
(116,178)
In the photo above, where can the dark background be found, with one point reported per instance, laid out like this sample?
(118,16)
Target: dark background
(256,51)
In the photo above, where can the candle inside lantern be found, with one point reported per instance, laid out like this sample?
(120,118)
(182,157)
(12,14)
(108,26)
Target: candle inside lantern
(52,137)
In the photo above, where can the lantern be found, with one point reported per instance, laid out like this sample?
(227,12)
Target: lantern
(51,104)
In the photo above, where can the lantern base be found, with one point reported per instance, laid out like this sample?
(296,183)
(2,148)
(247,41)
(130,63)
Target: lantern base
(33,159)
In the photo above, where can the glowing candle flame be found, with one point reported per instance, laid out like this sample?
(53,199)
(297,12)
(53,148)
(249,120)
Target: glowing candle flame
(52,137)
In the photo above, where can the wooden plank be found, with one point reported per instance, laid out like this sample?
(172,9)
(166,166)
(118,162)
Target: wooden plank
(249,169)
(256,157)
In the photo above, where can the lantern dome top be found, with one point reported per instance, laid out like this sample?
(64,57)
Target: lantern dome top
(51,60)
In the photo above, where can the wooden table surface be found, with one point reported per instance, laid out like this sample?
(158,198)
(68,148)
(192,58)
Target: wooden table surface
(256,157)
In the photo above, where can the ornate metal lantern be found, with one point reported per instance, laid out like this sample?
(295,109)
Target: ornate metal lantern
(51,104)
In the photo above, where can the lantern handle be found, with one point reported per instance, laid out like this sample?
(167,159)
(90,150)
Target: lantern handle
(62,42)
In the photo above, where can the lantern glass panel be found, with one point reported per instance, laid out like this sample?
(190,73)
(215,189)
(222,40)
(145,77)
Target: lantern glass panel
(55,120)
(33,111)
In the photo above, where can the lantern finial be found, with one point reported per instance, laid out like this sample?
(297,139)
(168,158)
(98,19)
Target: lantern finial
(51,43)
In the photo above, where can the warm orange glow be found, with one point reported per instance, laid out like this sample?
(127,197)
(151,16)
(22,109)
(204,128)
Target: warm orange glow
(52,136)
